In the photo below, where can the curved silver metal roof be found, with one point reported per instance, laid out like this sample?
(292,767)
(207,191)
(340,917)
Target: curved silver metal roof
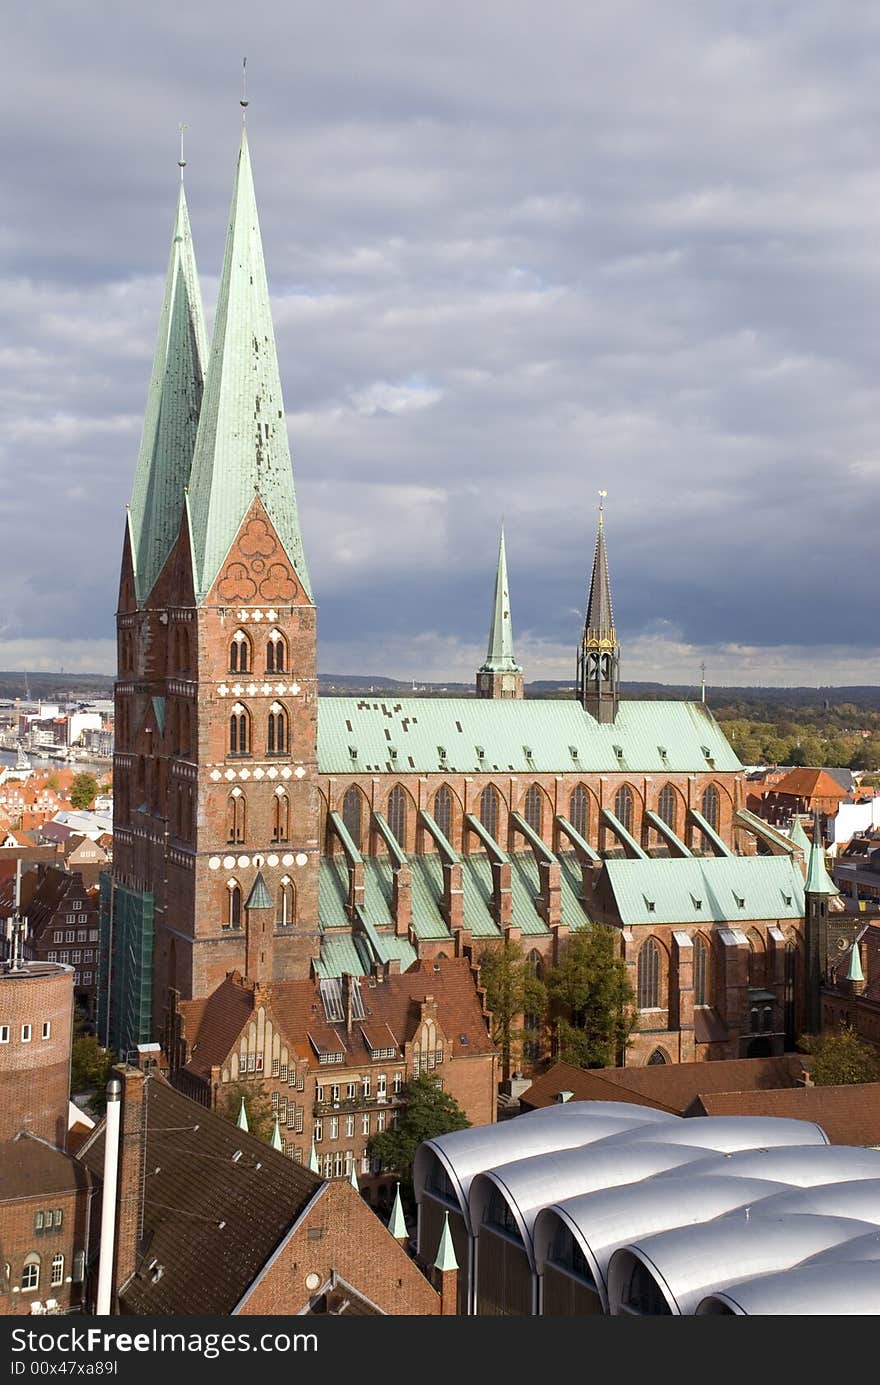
(727,1133)
(691,1262)
(601,1222)
(860,1198)
(465,1153)
(832,1290)
(865,1247)
(801,1166)
(528,1184)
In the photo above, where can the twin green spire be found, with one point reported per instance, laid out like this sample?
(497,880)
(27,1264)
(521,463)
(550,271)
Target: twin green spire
(219,431)
(172,415)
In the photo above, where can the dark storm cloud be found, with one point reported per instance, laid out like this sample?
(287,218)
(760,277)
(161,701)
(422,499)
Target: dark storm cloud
(517,253)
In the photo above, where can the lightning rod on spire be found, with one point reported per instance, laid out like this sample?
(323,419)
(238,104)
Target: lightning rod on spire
(181,162)
(244,96)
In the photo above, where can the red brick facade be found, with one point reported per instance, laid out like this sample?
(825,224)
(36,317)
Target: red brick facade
(36,1017)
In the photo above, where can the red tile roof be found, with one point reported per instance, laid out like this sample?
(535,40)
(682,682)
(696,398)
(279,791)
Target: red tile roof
(392,1010)
(669,1087)
(849,1115)
(809,783)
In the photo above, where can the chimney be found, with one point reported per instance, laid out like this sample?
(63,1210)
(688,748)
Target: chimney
(452,903)
(348,983)
(401,900)
(108,1198)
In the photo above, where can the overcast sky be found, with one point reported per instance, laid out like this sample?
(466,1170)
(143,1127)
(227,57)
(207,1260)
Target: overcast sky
(518,252)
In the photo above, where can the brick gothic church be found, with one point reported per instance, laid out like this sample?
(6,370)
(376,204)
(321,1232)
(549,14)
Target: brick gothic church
(260,832)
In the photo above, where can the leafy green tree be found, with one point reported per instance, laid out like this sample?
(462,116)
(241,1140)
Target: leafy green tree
(428,1111)
(257,1108)
(594,1002)
(90,1067)
(83,790)
(513,991)
(841,1058)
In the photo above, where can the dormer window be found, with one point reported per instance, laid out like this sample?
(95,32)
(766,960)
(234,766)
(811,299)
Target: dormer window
(618,750)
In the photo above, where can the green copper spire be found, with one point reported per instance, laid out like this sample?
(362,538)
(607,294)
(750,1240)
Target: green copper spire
(259,897)
(397,1224)
(242,1117)
(446,1250)
(172,414)
(600,617)
(242,449)
(313,1159)
(855,972)
(798,837)
(499,656)
(276,1137)
(818,880)
(353,1178)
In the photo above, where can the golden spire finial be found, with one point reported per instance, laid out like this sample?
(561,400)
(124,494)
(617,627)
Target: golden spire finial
(602,495)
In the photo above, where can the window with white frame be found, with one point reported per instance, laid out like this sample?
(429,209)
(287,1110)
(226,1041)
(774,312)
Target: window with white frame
(93,935)
(328,1166)
(283,1073)
(365,1124)
(365,1162)
(70,918)
(334,1092)
(276,1067)
(70,935)
(25,1033)
(398,1082)
(380,1122)
(57,1270)
(47,1029)
(259,1062)
(275,1100)
(75,957)
(334,1127)
(319,1131)
(382,1087)
(58,937)
(351,1091)
(366,1085)
(87,978)
(349,1127)
(4,1033)
(319,1092)
(338,1163)
(30,1274)
(299,1120)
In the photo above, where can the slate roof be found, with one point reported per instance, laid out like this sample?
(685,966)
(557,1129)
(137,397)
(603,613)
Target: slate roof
(561,735)
(209,1220)
(849,1115)
(30,1167)
(667,1087)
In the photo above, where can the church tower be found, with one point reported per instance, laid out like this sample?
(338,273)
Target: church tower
(598,662)
(500,676)
(215,831)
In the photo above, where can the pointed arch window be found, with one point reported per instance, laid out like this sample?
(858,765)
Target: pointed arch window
(281,817)
(535,964)
(711,807)
(657,1057)
(701,971)
(489,810)
(649,976)
(235,817)
(579,810)
(277,742)
(351,814)
(534,805)
(623,807)
(757,957)
(240,653)
(276,652)
(239,731)
(397,814)
(233,904)
(286,915)
(443,811)
(666,805)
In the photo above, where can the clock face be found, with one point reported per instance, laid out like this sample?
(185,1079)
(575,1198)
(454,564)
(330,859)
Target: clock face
(484,680)
(508,682)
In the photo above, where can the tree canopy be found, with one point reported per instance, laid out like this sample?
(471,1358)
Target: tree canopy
(83,790)
(593,1000)
(515,995)
(428,1111)
(90,1068)
(257,1108)
(841,1058)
